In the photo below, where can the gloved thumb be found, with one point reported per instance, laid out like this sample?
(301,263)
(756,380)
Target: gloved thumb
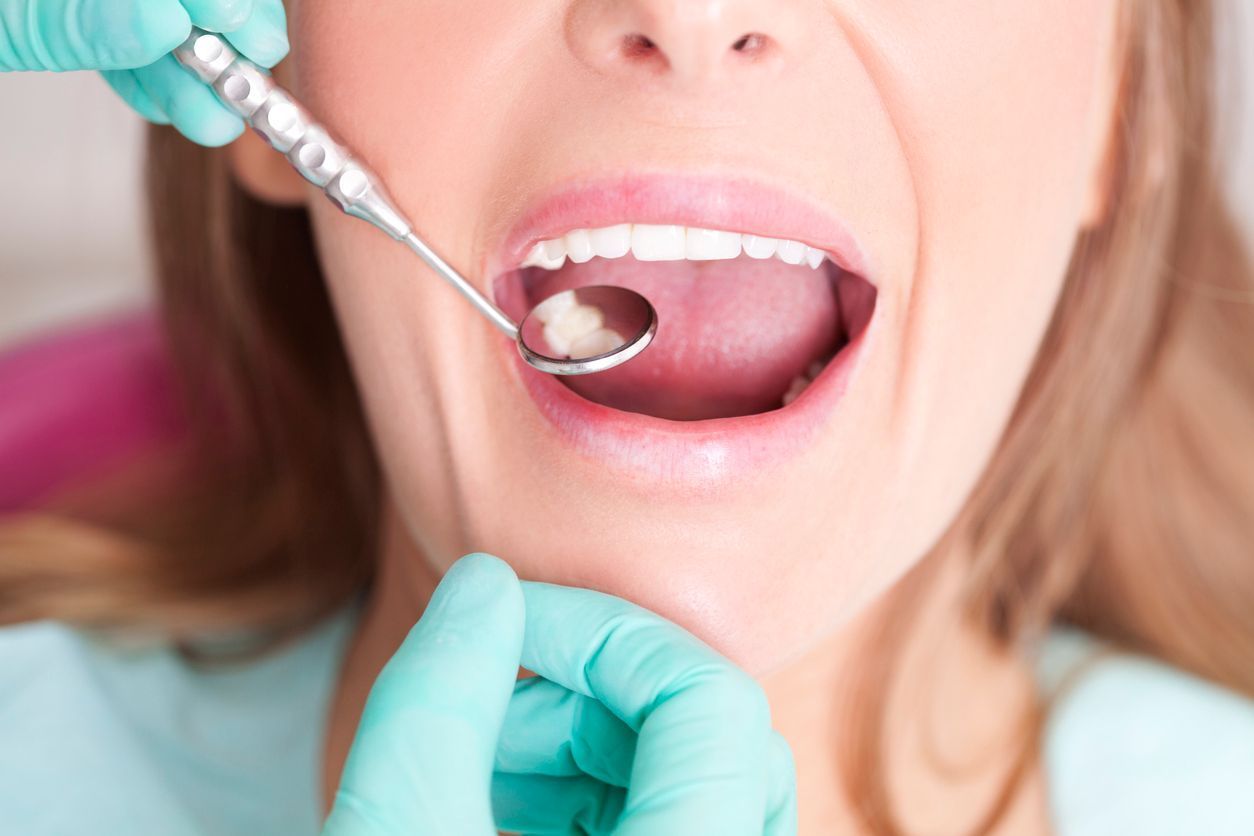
(423,756)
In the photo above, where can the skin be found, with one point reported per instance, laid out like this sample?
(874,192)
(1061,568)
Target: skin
(962,140)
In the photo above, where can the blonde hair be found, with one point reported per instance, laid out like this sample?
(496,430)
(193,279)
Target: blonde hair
(1121,497)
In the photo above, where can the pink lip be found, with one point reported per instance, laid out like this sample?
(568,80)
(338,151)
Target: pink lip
(692,456)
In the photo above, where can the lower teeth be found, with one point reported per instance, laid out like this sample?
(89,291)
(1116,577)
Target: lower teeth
(802,381)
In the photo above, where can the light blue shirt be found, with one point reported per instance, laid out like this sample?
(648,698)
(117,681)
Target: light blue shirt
(98,739)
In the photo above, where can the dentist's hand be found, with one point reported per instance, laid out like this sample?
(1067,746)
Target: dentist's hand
(130,40)
(633,726)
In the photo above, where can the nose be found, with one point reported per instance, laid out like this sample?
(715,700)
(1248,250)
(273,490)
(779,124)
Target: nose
(685,43)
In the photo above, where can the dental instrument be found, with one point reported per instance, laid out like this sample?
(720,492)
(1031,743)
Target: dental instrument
(575,332)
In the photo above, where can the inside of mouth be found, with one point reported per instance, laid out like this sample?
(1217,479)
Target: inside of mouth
(735,337)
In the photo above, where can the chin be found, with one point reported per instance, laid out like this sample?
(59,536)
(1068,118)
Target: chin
(756,595)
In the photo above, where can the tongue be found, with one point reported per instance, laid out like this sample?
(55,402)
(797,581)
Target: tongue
(732,335)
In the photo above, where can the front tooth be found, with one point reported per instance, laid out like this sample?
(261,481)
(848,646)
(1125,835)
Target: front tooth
(759,247)
(791,252)
(712,245)
(579,246)
(814,257)
(658,243)
(611,241)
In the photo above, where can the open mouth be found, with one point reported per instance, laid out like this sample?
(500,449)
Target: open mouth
(747,322)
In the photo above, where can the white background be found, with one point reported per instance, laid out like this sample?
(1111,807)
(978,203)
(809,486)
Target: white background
(71,218)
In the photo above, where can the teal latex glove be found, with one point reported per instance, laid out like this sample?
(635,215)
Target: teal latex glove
(633,726)
(129,42)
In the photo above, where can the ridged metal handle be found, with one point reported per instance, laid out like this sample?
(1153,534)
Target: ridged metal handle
(288,127)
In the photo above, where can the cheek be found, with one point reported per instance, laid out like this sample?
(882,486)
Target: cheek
(996,105)
(418,88)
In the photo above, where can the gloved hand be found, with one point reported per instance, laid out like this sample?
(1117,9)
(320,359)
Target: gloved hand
(130,41)
(633,726)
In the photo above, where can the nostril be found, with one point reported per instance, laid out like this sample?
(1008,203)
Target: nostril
(637,45)
(751,43)
(692,56)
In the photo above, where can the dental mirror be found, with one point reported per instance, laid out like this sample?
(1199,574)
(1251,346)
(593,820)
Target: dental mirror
(583,331)
(587,330)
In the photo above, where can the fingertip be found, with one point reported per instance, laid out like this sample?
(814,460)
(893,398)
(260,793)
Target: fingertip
(219,15)
(483,588)
(209,127)
(263,38)
(489,566)
(164,26)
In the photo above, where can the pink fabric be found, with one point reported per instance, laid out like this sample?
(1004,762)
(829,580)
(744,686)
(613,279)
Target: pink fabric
(77,402)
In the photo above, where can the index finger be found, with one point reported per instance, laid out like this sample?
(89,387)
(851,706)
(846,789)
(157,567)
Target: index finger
(703,724)
(422,759)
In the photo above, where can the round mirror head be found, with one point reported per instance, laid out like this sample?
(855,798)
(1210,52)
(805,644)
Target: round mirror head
(587,330)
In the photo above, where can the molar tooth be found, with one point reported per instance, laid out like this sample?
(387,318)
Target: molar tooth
(570,326)
(798,385)
(600,341)
(814,257)
(558,344)
(712,245)
(578,321)
(650,242)
(611,241)
(552,308)
(579,246)
(791,252)
(758,247)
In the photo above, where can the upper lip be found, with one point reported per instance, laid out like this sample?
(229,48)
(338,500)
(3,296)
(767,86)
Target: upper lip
(737,204)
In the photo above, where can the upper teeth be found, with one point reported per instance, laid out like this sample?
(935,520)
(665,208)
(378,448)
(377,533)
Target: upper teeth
(651,242)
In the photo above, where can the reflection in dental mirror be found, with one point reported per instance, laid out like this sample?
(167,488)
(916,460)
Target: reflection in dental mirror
(587,330)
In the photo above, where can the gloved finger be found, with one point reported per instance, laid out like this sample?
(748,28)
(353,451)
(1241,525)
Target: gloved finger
(126,85)
(421,761)
(262,38)
(551,730)
(703,724)
(219,15)
(190,105)
(781,789)
(89,34)
(543,804)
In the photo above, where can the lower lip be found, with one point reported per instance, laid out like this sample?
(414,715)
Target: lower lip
(692,456)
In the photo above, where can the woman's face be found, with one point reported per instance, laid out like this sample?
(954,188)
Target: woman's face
(943,154)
